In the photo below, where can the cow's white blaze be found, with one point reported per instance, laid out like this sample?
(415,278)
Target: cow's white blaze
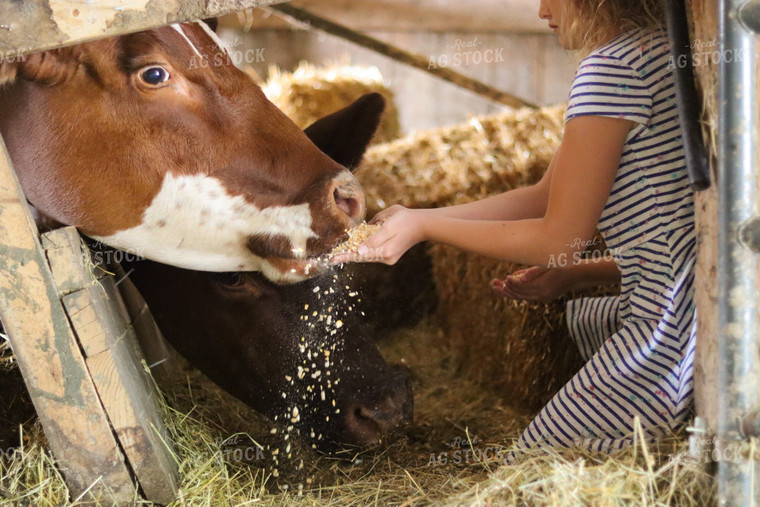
(213,36)
(179,30)
(194,223)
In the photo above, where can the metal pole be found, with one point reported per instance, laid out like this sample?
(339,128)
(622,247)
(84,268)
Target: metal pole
(737,262)
(686,95)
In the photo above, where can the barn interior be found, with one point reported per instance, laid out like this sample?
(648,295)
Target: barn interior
(481,365)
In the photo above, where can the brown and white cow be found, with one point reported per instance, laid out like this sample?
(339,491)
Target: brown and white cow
(266,343)
(153,143)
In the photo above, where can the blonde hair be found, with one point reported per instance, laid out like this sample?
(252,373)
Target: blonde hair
(589,22)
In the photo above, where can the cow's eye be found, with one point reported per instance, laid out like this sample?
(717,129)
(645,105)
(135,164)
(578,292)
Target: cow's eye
(154,76)
(231,279)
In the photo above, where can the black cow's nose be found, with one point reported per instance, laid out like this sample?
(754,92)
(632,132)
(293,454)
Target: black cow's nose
(349,197)
(369,422)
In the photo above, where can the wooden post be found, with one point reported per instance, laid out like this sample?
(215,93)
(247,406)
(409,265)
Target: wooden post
(49,357)
(79,357)
(705,22)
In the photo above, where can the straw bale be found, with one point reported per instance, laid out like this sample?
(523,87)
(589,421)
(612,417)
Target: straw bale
(309,93)
(520,349)
(483,156)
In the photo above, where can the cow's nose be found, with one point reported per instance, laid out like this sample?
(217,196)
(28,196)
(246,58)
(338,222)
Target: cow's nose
(349,197)
(369,422)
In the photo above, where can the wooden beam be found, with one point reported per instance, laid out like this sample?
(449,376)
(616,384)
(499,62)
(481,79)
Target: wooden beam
(480,16)
(417,61)
(159,355)
(35,25)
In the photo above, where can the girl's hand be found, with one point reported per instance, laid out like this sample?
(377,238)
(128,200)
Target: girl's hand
(387,213)
(401,229)
(536,284)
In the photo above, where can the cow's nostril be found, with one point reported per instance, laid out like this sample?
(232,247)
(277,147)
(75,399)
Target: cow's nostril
(380,420)
(368,425)
(362,426)
(349,198)
(364,417)
(346,203)
(351,206)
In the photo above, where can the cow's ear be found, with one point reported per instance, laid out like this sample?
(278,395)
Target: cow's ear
(49,67)
(345,134)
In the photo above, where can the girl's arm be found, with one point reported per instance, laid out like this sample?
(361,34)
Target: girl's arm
(579,185)
(517,204)
(544,285)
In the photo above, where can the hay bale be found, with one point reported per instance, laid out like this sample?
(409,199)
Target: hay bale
(481,157)
(522,350)
(309,93)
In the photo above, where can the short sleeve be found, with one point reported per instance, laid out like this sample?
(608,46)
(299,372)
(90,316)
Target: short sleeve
(608,86)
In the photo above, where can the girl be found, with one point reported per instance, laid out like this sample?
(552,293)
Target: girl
(620,168)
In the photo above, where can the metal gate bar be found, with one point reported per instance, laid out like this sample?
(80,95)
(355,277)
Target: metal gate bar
(737,257)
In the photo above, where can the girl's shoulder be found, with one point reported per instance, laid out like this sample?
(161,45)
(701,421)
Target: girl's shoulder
(634,48)
(623,78)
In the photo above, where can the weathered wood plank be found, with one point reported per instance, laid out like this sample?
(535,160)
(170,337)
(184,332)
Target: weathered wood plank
(69,260)
(49,358)
(131,406)
(114,360)
(35,25)
(90,313)
(161,356)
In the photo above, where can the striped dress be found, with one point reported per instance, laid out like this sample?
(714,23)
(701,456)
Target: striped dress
(639,346)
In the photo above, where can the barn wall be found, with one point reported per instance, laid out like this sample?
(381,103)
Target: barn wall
(531,66)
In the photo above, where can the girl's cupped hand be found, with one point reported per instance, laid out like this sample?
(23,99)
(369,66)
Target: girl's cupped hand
(402,228)
(537,284)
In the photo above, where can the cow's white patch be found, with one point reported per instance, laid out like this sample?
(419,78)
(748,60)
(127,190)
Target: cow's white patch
(194,223)
(179,30)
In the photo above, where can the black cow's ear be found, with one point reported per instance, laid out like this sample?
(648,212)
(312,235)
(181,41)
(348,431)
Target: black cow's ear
(212,23)
(345,134)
